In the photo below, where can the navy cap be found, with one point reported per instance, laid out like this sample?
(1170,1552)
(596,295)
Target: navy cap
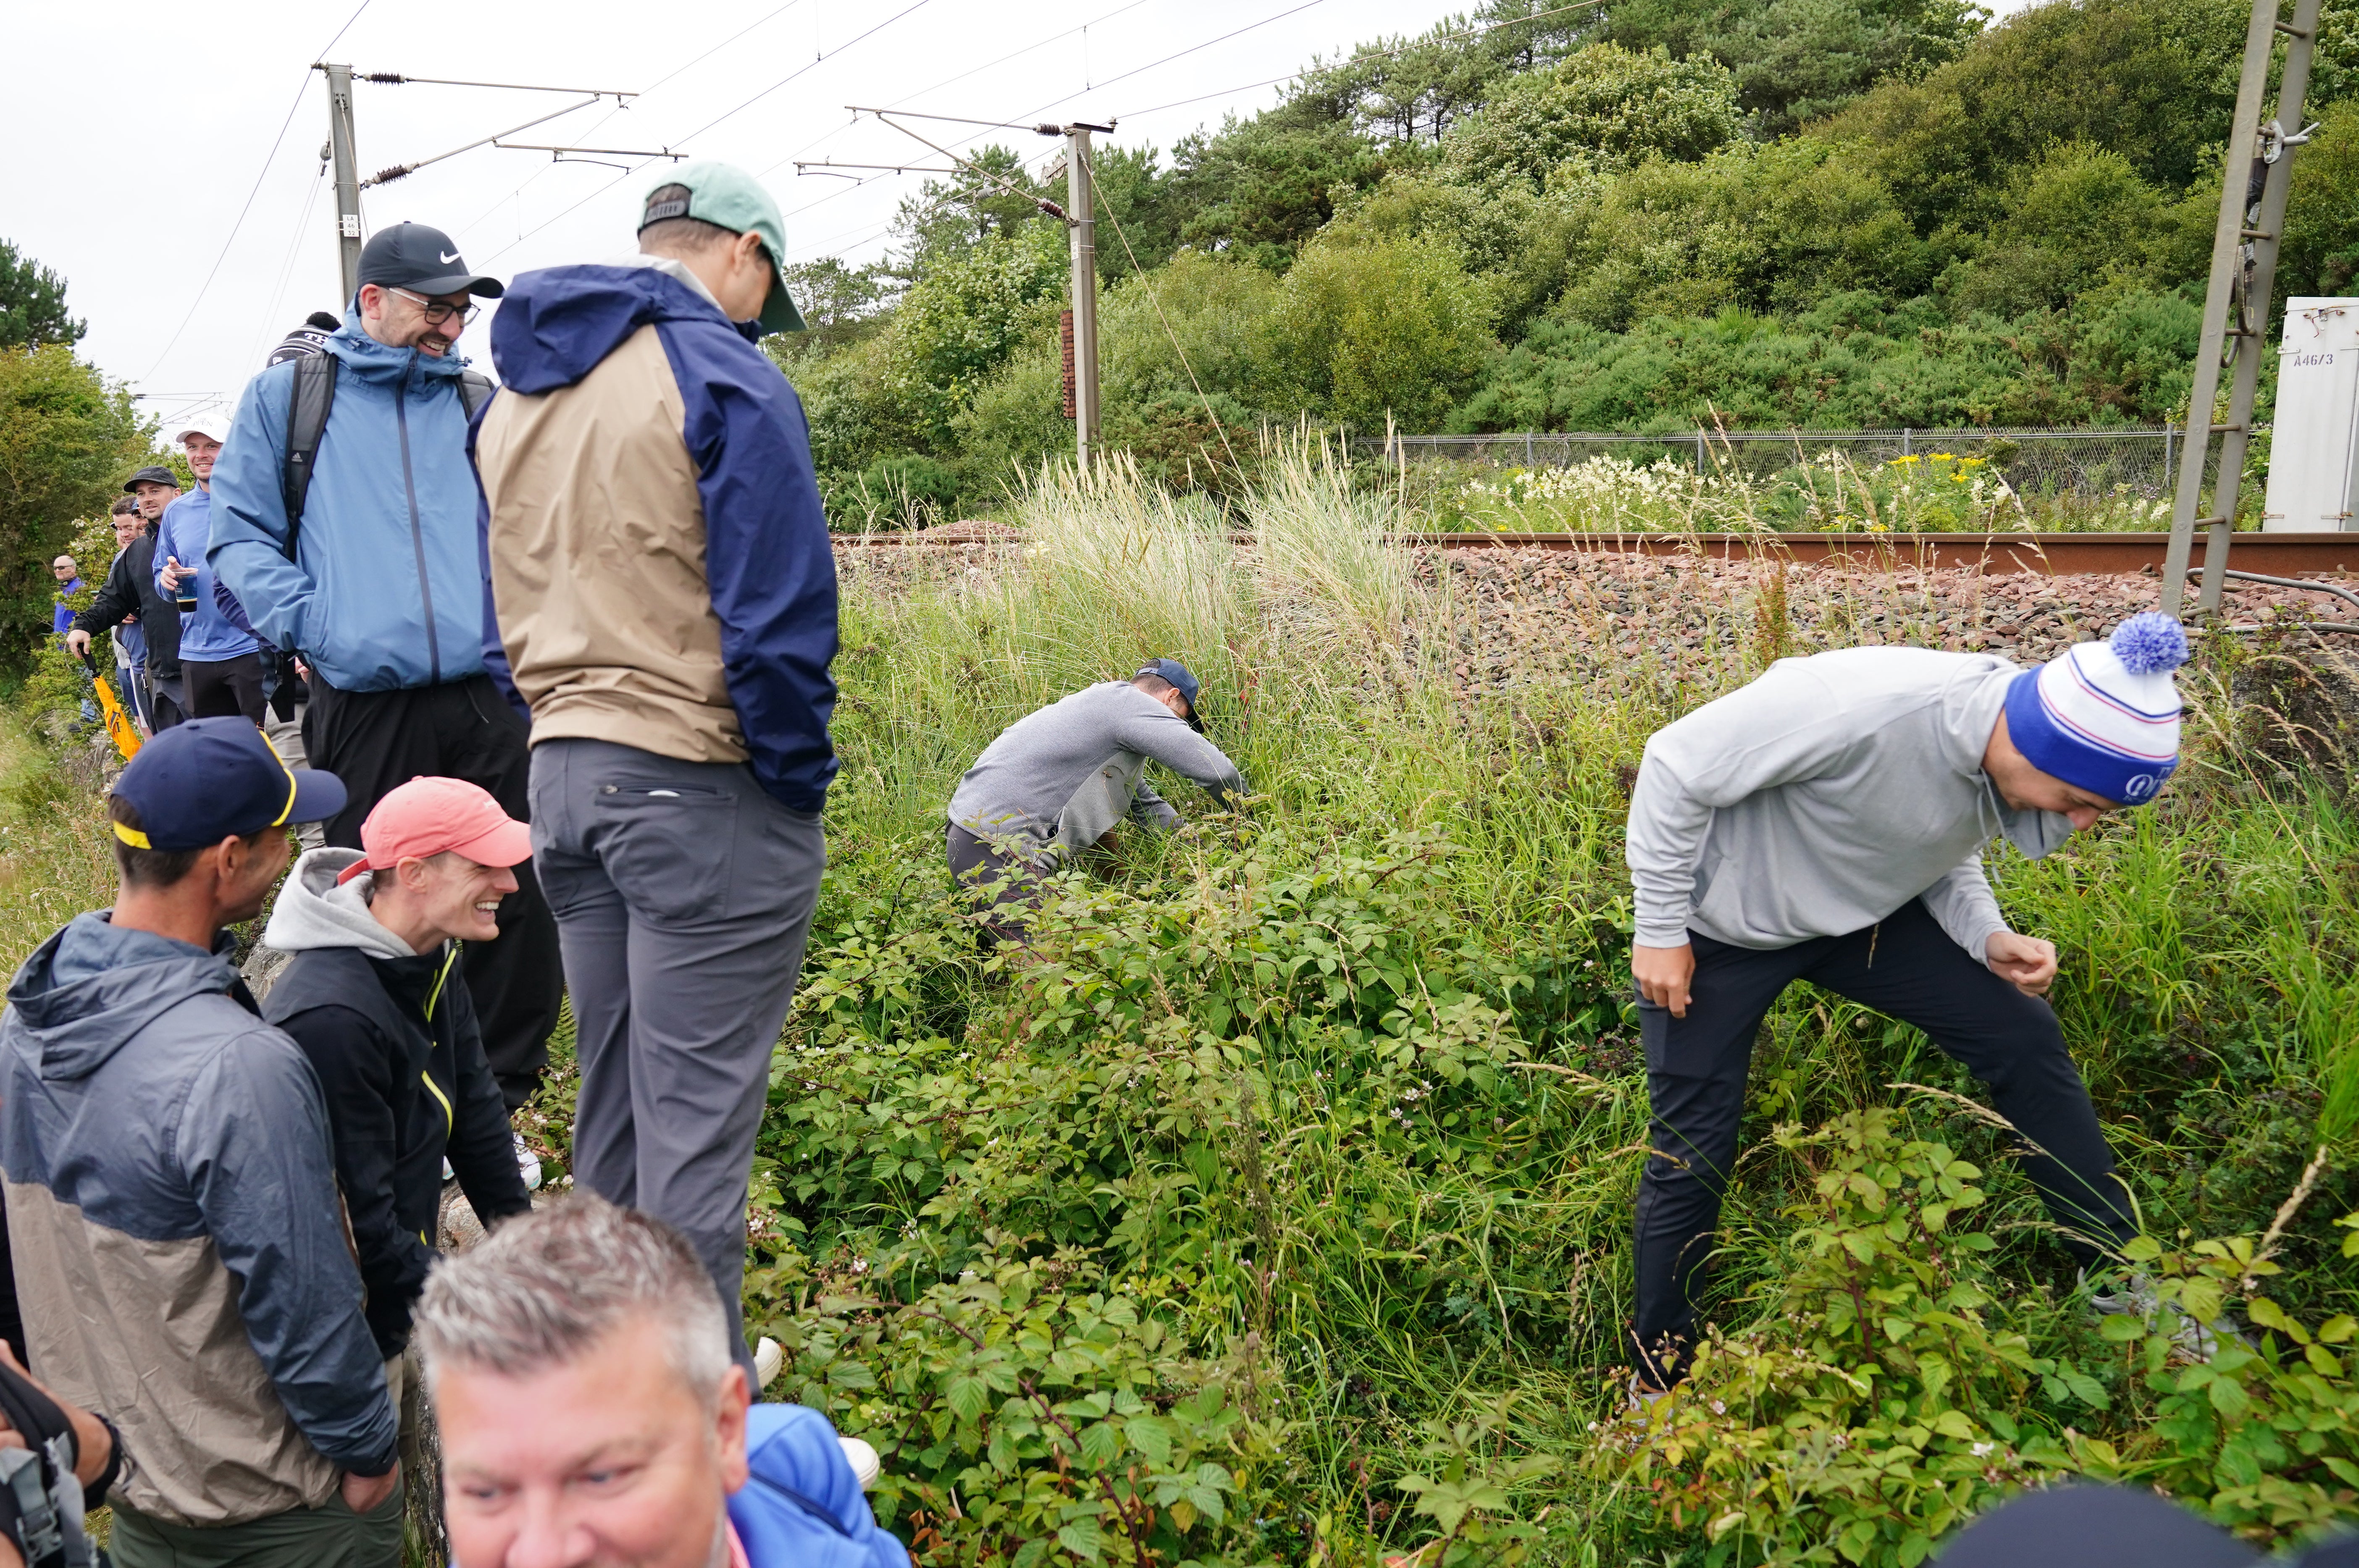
(1182,681)
(423,261)
(204,781)
(151,476)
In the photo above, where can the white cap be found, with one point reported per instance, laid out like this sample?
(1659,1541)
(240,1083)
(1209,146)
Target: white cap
(212,425)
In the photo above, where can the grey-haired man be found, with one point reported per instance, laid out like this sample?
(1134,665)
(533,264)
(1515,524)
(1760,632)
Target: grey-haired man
(1058,781)
(581,1368)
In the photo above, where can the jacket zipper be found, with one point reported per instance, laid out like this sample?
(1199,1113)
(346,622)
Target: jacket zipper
(417,533)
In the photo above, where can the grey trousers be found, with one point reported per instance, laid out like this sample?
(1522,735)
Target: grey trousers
(683,895)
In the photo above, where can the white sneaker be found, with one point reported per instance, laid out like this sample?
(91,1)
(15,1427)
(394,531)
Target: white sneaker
(768,1360)
(858,1454)
(527,1164)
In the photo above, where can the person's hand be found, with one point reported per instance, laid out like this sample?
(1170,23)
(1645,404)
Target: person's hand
(174,572)
(302,670)
(366,1493)
(78,642)
(2028,962)
(1664,975)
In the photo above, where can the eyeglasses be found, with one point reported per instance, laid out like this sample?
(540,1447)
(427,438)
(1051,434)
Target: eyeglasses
(439,310)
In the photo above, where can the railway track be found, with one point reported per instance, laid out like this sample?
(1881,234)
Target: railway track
(2053,555)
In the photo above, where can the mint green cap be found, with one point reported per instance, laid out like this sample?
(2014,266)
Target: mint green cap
(727,197)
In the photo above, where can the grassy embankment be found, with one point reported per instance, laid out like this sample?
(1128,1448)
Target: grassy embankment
(1305,1153)
(1281,1211)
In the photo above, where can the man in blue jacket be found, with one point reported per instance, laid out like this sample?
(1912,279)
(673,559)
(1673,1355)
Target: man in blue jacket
(179,1249)
(377,586)
(665,596)
(221,664)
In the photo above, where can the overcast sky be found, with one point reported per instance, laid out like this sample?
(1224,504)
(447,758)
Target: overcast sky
(145,172)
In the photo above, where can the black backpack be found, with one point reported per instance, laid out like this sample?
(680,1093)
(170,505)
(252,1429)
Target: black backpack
(308,405)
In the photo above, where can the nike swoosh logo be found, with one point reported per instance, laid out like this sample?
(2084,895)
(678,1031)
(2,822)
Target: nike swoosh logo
(448,257)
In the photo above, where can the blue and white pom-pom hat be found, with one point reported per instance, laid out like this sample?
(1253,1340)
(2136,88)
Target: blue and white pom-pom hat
(2104,716)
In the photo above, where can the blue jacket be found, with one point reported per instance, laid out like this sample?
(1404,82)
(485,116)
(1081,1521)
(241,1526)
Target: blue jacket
(657,566)
(800,1506)
(184,535)
(179,1252)
(385,593)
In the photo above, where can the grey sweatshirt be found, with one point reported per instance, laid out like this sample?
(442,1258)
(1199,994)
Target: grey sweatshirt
(1825,796)
(1063,776)
(312,911)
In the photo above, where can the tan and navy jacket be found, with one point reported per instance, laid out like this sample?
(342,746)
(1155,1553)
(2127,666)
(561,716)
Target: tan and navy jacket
(181,1254)
(658,560)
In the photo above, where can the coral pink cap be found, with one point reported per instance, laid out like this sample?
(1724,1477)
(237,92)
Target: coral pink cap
(428,817)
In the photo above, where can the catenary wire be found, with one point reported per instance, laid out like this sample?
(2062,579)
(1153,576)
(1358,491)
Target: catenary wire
(749,102)
(286,266)
(618,108)
(267,159)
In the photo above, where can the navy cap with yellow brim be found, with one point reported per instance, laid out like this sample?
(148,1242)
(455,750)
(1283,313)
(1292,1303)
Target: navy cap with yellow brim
(210,779)
(728,197)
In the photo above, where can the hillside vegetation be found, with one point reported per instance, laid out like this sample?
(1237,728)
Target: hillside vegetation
(1666,213)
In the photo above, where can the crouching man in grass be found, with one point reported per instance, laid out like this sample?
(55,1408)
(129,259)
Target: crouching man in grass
(1058,781)
(581,1368)
(1827,823)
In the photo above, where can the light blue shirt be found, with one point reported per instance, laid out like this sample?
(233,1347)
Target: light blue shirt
(183,536)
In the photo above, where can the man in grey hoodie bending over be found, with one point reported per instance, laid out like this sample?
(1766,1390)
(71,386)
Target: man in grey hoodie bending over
(1827,822)
(1058,781)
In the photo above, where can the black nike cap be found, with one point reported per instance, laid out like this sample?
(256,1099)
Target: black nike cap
(424,261)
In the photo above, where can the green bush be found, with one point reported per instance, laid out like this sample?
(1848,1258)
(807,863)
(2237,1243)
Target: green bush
(906,492)
(1396,329)
(1604,107)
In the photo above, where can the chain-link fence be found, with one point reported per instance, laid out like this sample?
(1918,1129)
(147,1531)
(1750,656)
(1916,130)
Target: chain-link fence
(2142,462)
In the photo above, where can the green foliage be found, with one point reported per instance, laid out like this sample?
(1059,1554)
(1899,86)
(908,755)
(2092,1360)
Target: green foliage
(67,440)
(2079,218)
(905,491)
(1892,1390)
(962,320)
(1797,60)
(1761,228)
(991,196)
(1849,362)
(1604,107)
(2152,81)
(1260,189)
(2321,248)
(1399,90)
(1392,329)
(33,304)
(838,302)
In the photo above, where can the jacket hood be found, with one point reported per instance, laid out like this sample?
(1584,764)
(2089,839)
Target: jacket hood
(313,911)
(373,360)
(556,325)
(89,988)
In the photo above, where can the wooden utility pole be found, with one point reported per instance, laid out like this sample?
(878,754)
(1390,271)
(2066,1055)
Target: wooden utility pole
(2244,248)
(348,177)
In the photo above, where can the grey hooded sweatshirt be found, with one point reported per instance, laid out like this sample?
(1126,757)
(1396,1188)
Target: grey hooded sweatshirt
(1059,779)
(179,1249)
(1825,796)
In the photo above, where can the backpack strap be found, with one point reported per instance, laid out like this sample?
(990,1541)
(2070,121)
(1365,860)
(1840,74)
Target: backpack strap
(475,389)
(308,405)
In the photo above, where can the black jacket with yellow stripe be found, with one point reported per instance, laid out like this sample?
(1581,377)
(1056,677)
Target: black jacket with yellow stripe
(400,1058)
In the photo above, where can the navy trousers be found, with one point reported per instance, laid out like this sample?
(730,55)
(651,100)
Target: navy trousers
(1907,967)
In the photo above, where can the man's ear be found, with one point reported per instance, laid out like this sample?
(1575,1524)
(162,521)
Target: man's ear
(729,1427)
